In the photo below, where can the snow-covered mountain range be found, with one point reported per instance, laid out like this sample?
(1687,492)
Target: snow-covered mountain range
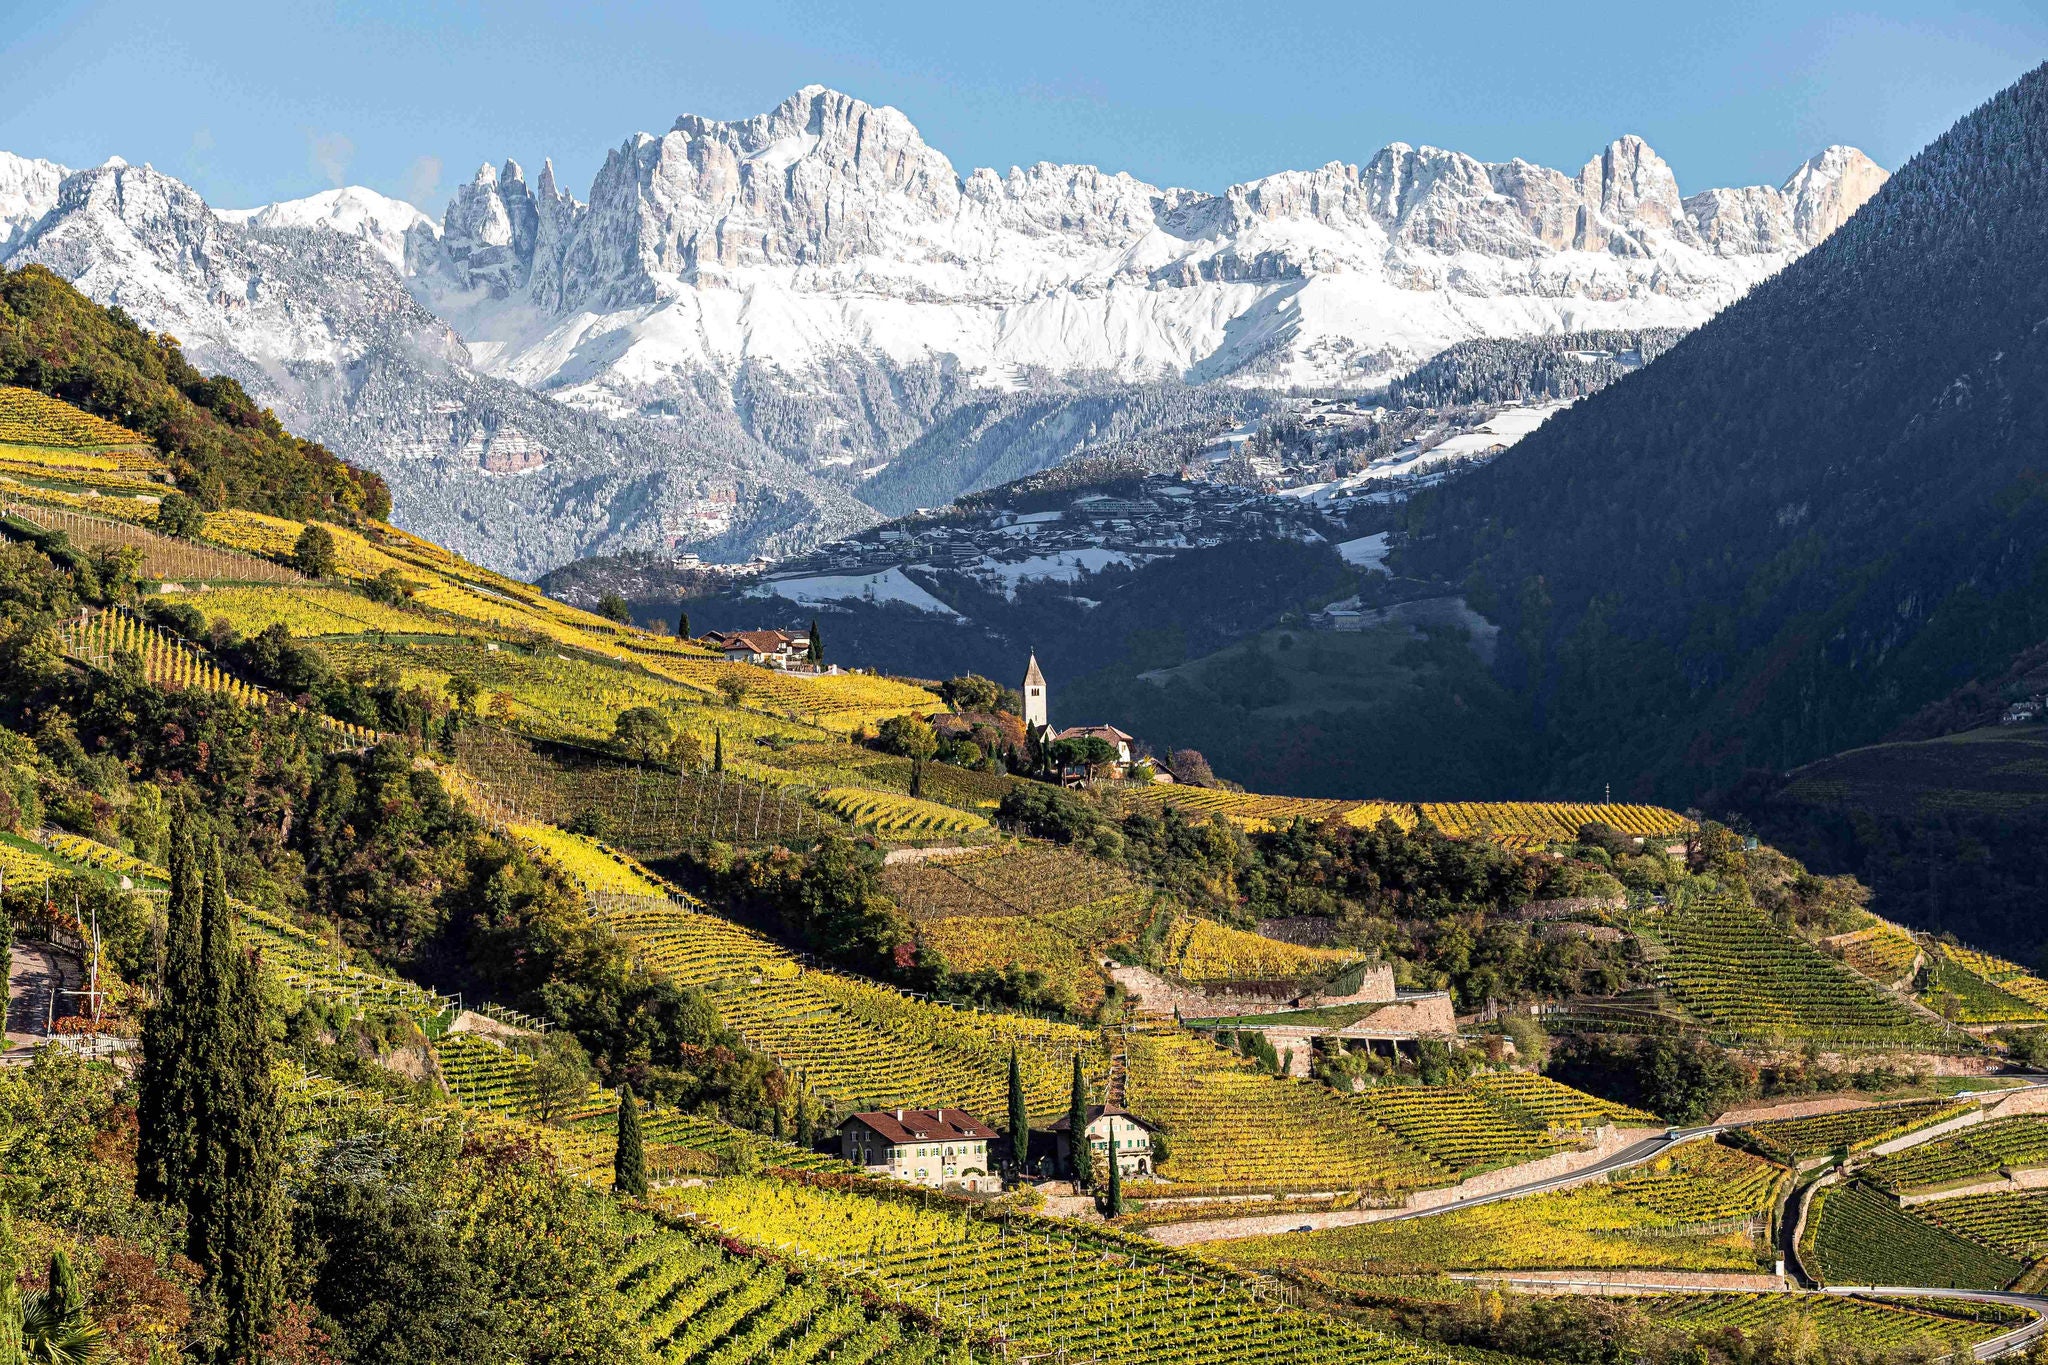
(786,303)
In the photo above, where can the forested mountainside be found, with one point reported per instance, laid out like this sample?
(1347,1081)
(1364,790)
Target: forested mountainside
(1529,369)
(1810,518)
(222,448)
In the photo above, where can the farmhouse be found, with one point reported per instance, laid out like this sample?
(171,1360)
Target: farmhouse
(1109,734)
(942,1148)
(1110,1128)
(773,648)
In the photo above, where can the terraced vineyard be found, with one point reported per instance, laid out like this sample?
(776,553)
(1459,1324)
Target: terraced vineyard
(1061,946)
(1702,1182)
(1234,1127)
(1454,1127)
(1532,824)
(652,811)
(1851,1130)
(1854,1235)
(30,417)
(1834,1318)
(163,557)
(2007,976)
(694,1301)
(2015,1223)
(305,610)
(841,703)
(847,1038)
(1884,952)
(104,638)
(1746,979)
(898,816)
(1028,879)
(1956,992)
(1253,811)
(1980,1152)
(1202,950)
(166,663)
(1042,1286)
(1594,1227)
(1544,1101)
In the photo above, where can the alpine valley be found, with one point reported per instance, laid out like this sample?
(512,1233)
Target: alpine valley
(728,347)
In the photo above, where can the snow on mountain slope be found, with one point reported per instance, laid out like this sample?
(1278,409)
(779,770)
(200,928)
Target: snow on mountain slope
(28,190)
(315,321)
(747,316)
(387,224)
(765,252)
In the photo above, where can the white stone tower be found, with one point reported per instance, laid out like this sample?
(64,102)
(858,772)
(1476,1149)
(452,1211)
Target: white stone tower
(1034,696)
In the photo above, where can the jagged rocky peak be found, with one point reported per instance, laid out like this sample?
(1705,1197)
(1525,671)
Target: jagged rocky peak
(1829,188)
(1814,200)
(28,190)
(808,182)
(489,230)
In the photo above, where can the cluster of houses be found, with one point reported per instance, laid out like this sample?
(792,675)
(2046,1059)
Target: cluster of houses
(1001,547)
(948,1149)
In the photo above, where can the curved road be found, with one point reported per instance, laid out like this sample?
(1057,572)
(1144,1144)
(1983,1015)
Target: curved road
(1649,1149)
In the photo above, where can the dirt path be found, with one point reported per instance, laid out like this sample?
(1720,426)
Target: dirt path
(34,981)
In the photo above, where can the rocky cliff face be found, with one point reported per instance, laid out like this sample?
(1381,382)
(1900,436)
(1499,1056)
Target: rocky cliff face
(787,303)
(317,321)
(778,257)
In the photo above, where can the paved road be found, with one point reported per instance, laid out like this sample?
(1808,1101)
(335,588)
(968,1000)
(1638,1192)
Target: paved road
(1649,1149)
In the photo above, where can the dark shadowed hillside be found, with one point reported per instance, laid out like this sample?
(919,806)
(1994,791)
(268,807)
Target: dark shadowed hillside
(1815,515)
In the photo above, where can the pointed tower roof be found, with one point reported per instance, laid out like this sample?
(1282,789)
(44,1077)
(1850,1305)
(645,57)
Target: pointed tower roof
(1032,677)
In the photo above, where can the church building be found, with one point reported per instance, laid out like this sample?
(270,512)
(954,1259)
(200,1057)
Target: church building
(1034,696)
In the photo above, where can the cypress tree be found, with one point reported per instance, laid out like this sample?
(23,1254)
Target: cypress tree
(816,653)
(629,1162)
(167,1108)
(1116,1177)
(1020,1120)
(235,1220)
(718,751)
(682,623)
(1077,1126)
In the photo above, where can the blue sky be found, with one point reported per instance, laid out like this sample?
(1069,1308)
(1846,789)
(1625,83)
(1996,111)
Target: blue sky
(257,102)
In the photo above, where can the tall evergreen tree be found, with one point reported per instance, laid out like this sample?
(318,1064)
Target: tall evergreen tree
(718,751)
(167,1108)
(629,1162)
(1116,1177)
(1077,1126)
(234,1214)
(816,652)
(1020,1119)
(682,623)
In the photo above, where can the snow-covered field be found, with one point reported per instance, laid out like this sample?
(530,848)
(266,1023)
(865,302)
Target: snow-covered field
(891,585)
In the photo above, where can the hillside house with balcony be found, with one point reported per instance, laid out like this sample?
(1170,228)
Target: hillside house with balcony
(946,1149)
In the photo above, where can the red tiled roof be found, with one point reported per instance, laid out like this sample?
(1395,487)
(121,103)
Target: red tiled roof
(897,1126)
(760,641)
(1108,732)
